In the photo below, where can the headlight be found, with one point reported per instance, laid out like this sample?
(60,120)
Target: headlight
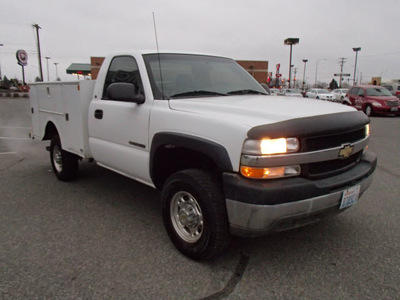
(271,146)
(367,132)
(376,104)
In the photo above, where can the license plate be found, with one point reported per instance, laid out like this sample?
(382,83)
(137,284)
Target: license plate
(350,197)
(394,109)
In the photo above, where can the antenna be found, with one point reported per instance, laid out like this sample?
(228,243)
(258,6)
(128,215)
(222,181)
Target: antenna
(158,54)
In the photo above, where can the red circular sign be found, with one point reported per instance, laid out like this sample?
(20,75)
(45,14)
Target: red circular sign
(22,57)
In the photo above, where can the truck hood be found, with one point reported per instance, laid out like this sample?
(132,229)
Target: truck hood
(254,110)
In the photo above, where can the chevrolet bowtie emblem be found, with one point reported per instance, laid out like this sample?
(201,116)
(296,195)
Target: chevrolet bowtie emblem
(346,151)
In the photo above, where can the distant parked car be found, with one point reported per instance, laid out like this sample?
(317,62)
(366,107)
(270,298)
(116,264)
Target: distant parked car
(393,88)
(372,99)
(339,94)
(290,93)
(274,92)
(320,94)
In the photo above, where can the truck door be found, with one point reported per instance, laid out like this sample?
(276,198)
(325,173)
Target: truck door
(118,129)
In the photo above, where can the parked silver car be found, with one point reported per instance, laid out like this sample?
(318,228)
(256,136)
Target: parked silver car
(394,88)
(339,94)
(321,94)
(290,93)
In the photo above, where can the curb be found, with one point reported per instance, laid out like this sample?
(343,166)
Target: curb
(14,95)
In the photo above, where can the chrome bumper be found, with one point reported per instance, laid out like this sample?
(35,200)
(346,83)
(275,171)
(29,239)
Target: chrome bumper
(255,220)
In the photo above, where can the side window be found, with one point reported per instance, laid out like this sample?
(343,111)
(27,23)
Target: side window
(123,69)
(360,92)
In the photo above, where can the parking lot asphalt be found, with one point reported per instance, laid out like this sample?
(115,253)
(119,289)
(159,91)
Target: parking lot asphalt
(102,237)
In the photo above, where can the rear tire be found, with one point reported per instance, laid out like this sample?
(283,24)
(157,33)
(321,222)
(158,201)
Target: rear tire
(194,214)
(65,165)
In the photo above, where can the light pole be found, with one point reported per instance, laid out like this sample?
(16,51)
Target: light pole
(56,70)
(47,63)
(355,65)
(1,45)
(39,53)
(316,70)
(291,42)
(304,73)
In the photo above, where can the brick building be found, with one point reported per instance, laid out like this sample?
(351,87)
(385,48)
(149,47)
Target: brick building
(257,68)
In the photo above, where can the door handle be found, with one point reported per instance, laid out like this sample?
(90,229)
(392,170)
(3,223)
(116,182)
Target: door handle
(98,114)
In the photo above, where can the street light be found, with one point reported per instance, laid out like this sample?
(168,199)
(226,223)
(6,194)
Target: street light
(56,71)
(291,42)
(1,45)
(316,70)
(47,62)
(355,65)
(304,72)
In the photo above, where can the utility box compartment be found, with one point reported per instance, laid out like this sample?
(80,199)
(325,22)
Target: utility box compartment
(66,105)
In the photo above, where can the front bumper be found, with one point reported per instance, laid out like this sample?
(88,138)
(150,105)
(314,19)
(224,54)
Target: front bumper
(386,110)
(257,207)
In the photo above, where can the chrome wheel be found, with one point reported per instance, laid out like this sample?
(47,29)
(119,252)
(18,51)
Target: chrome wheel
(57,158)
(186,217)
(368,110)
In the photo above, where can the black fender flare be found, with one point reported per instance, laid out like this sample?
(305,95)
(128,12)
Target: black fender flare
(216,152)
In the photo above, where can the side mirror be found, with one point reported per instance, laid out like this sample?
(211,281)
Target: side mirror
(123,91)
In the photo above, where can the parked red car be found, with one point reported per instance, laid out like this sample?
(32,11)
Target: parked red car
(372,99)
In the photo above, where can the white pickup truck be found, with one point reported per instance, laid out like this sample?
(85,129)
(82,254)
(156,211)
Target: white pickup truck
(228,158)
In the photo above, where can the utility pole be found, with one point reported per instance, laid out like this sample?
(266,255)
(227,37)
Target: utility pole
(294,78)
(38,49)
(316,70)
(341,62)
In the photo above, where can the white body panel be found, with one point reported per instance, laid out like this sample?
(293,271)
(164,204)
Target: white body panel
(65,104)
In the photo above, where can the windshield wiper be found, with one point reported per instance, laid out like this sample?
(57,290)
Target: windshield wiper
(197,93)
(246,92)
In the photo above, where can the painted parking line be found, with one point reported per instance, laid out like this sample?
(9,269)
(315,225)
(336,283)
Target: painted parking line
(13,138)
(5,153)
(12,127)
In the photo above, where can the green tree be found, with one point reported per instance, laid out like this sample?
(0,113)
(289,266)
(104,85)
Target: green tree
(5,83)
(333,85)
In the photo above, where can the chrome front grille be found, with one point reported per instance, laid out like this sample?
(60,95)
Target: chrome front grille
(331,141)
(392,103)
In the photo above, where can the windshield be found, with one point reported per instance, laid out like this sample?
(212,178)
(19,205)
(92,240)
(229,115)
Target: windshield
(322,92)
(185,75)
(378,92)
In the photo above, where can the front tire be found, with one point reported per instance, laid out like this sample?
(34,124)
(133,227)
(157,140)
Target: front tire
(368,110)
(65,165)
(194,214)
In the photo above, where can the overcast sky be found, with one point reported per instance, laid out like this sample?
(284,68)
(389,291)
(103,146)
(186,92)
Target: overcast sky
(72,31)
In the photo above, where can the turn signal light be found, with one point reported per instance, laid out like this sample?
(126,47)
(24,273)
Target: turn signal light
(270,173)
